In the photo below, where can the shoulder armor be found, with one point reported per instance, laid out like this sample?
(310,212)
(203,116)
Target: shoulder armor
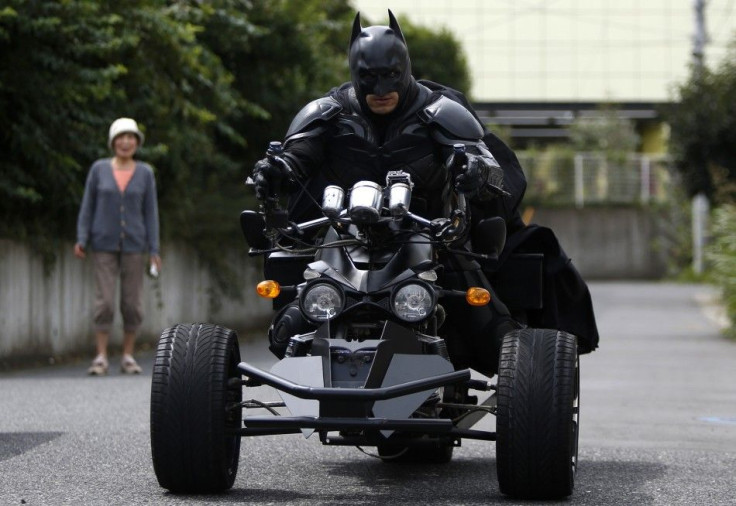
(321,109)
(457,122)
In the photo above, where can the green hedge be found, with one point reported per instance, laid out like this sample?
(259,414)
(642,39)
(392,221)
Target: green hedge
(210,83)
(722,255)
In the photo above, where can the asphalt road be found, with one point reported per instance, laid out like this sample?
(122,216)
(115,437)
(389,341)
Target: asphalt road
(658,426)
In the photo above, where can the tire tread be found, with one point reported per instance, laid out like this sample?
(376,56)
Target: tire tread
(190,450)
(536,387)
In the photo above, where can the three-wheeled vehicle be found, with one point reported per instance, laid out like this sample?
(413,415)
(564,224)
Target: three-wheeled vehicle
(374,368)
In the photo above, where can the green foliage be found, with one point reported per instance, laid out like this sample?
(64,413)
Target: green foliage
(296,53)
(605,133)
(703,123)
(673,218)
(703,141)
(53,77)
(210,83)
(722,255)
(550,175)
(67,69)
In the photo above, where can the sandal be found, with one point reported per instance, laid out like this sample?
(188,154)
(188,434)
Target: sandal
(128,365)
(99,366)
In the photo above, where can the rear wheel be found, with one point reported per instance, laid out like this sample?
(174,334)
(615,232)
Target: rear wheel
(194,415)
(538,408)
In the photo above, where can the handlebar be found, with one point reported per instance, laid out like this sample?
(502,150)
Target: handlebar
(459,163)
(391,203)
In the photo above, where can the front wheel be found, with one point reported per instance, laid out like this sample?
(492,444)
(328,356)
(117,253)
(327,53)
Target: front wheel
(195,414)
(537,419)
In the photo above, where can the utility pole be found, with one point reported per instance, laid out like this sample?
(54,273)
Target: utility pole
(699,38)
(700,204)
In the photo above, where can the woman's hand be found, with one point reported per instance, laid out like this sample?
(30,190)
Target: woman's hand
(79,251)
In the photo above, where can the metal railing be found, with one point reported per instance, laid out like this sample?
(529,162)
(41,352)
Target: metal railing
(582,179)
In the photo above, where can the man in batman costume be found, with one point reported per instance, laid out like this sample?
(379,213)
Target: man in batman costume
(385,120)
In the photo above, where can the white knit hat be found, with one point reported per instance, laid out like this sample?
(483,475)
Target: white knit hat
(122,126)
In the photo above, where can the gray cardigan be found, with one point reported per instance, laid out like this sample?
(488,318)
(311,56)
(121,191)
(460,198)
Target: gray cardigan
(111,220)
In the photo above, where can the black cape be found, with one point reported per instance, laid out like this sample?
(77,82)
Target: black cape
(566,300)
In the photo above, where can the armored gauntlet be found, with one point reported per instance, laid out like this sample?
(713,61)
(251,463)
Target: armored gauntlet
(480,176)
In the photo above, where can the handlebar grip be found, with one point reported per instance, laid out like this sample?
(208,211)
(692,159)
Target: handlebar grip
(273,153)
(275,148)
(275,216)
(459,158)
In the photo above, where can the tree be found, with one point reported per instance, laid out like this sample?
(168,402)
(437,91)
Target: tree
(280,55)
(295,52)
(210,83)
(67,69)
(703,126)
(54,82)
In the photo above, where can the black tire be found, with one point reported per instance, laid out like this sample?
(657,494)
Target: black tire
(194,443)
(427,452)
(537,420)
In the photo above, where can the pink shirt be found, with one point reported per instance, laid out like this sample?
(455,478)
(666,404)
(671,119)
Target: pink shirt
(122,178)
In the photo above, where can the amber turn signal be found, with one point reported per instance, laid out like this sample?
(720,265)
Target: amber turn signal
(477,296)
(268,289)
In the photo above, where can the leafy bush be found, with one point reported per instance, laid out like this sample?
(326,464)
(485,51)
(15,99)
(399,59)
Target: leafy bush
(67,70)
(210,83)
(703,123)
(550,175)
(722,255)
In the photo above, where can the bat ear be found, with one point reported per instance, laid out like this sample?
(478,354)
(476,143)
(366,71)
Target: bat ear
(356,29)
(394,25)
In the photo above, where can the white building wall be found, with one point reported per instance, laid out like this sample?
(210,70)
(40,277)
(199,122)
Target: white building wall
(571,50)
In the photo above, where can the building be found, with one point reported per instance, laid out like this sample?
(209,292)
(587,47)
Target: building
(538,64)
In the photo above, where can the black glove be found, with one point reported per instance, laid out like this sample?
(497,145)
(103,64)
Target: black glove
(472,175)
(480,177)
(267,177)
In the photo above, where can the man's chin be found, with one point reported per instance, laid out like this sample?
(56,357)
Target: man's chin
(382,110)
(382,107)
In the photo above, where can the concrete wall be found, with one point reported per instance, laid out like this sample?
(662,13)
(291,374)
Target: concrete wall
(607,243)
(49,315)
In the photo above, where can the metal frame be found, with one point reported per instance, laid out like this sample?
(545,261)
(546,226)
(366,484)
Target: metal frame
(276,424)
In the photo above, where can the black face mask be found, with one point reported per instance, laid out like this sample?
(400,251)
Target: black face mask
(379,61)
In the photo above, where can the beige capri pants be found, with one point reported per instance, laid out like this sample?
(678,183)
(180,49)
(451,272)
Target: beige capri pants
(129,268)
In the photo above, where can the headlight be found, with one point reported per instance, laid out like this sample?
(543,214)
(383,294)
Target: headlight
(413,302)
(322,301)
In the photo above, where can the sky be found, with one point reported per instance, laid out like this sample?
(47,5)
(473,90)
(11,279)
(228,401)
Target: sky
(571,50)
